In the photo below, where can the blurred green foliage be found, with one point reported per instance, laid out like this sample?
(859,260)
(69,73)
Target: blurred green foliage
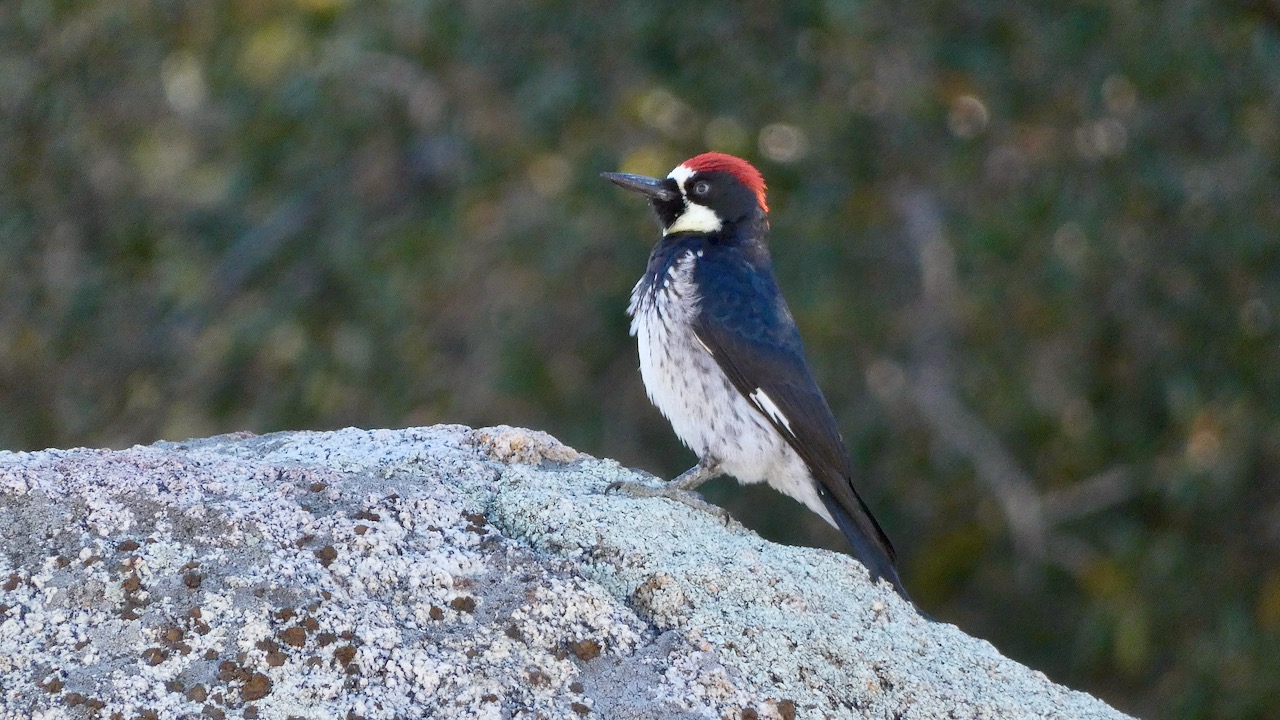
(270,215)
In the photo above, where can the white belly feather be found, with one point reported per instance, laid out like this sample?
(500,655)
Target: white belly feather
(706,411)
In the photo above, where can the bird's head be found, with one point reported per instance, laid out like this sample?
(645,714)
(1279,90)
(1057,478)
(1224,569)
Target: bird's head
(702,194)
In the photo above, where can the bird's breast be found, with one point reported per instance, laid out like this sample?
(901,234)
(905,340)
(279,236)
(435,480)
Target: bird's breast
(686,384)
(680,375)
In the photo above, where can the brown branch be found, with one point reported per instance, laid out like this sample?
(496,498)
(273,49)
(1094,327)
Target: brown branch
(932,384)
(1092,495)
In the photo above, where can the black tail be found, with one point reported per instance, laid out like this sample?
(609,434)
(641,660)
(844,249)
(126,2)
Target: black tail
(869,542)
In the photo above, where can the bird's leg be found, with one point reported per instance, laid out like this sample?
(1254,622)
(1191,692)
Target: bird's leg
(681,489)
(689,480)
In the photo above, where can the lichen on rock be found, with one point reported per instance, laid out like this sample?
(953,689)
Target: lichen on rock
(441,572)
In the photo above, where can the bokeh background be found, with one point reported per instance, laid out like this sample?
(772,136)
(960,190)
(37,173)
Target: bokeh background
(1032,247)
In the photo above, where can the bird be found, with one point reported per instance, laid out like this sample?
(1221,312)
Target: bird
(722,359)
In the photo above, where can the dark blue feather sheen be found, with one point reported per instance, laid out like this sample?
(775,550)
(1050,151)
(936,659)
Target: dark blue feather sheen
(745,323)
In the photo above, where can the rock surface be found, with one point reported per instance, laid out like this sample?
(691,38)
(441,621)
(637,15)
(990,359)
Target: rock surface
(442,572)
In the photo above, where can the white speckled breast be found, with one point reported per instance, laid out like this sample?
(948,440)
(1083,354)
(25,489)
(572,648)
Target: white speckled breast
(706,411)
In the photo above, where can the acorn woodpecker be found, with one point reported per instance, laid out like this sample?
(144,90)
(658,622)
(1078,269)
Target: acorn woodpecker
(722,359)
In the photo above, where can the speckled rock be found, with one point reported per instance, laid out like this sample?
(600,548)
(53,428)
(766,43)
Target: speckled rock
(442,572)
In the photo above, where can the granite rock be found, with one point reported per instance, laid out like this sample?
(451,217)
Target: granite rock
(443,572)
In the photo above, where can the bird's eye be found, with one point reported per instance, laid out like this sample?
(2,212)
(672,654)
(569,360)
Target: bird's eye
(702,187)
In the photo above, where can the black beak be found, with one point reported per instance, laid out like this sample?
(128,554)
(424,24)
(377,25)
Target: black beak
(653,187)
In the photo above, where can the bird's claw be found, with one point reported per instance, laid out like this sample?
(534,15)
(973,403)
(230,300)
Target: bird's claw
(685,497)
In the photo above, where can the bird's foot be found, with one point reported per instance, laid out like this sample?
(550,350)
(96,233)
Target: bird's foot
(706,469)
(668,491)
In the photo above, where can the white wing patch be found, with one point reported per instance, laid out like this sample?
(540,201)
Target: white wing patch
(770,408)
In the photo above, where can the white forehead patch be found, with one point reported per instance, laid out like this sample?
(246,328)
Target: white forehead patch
(695,218)
(681,175)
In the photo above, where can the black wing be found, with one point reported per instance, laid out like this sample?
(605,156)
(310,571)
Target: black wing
(746,325)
